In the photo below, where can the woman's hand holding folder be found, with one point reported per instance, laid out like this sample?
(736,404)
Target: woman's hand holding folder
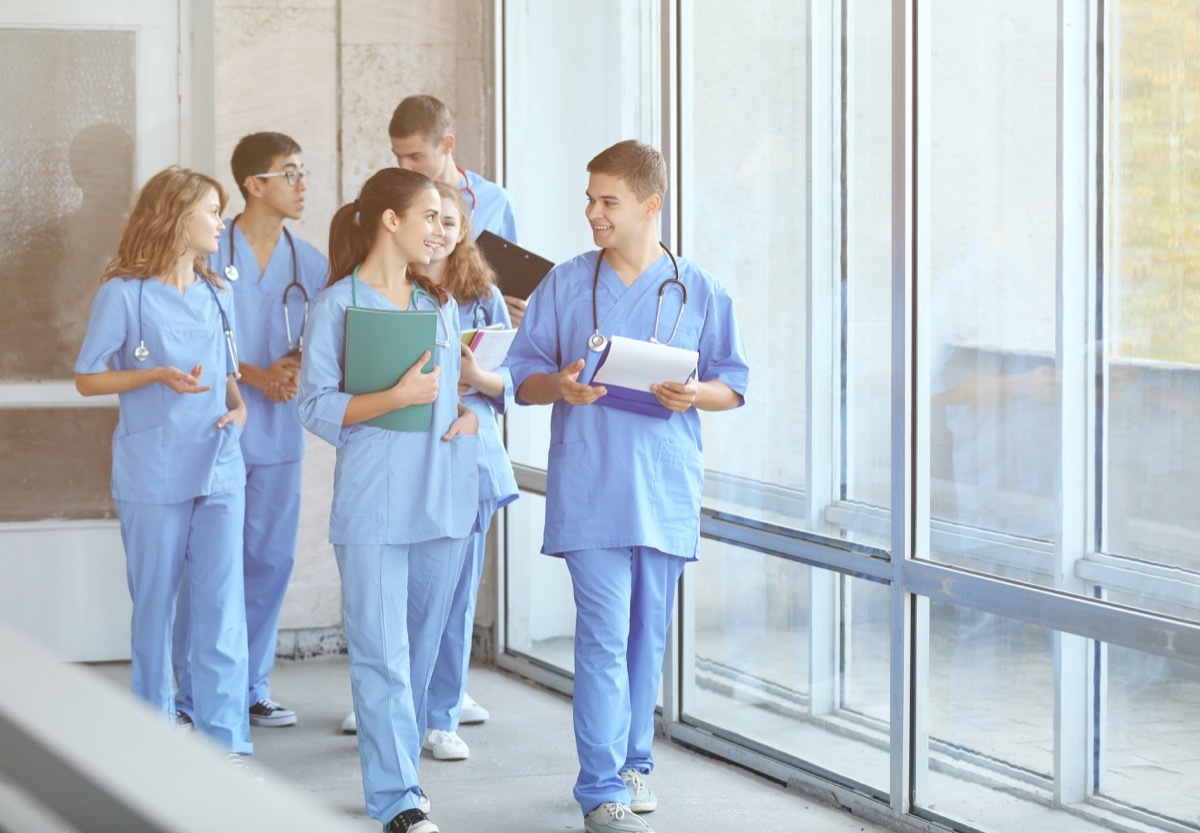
(414,388)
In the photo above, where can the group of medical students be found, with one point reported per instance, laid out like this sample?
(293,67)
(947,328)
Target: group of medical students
(206,471)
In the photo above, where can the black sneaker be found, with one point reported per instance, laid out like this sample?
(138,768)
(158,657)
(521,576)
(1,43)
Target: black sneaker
(269,713)
(183,722)
(411,821)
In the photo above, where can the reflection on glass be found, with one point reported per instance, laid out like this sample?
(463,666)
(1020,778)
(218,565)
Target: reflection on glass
(990,297)
(744,221)
(790,658)
(990,717)
(540,606)
(1149,747)
(1152,401)
(867,283)
(1126,733)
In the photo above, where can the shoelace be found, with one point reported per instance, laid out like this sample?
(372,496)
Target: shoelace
(269,705)
(633,779)
(236,761)
(615,811)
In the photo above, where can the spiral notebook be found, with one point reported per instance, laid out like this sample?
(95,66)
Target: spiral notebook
(381,345)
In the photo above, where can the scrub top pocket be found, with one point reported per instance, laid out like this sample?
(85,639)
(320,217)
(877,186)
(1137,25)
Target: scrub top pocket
(678,483)
(139,472)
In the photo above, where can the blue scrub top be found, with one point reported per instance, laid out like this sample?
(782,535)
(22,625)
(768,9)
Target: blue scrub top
(496,479)
(273,432)
(167,448)
(389,487)
(493,209)
(617,478)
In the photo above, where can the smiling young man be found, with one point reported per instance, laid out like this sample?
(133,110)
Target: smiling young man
(274,275)
(422,136)
(623,488)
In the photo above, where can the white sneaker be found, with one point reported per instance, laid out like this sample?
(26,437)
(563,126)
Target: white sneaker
(614,818)
(424,804)
(241,766)
(446,746)
(350,725)
(641,798)
(471,711)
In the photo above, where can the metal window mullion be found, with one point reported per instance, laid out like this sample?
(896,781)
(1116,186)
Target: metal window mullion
(904,500)
(1072,660)
(678,659)
(823,120)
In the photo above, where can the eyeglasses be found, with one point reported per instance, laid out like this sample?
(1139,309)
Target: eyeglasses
(292,175)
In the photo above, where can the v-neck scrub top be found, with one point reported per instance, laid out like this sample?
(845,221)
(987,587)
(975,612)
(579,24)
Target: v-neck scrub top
(617,478)
(389,487)
(167,448)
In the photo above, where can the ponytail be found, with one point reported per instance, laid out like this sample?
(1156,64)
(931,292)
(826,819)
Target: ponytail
(348,243)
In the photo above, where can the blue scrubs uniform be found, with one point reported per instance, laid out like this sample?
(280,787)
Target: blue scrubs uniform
(178,483)
(623,496)
(491,209)
(272,445)
(404,503)
(497,489)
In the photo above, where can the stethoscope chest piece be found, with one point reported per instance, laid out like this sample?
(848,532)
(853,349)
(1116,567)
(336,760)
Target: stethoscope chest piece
(140,352)
(597,342)
(231,272)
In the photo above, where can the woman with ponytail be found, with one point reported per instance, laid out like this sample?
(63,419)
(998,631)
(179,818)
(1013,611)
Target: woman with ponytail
(404,502)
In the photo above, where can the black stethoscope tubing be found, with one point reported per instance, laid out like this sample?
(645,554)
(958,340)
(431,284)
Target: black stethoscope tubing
(597,342)
(231,272)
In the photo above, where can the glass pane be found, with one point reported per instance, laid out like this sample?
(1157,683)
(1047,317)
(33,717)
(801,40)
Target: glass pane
(1123,739)
(744,220)
(867,285)
(540,604)
(558,130)
(988,298)
(66,182)
(991,719)
(1152,353)
(789,659)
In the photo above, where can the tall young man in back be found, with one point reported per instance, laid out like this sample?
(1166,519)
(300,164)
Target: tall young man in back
(274,276)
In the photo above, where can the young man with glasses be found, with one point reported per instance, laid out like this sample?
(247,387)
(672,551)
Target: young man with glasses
(274,276)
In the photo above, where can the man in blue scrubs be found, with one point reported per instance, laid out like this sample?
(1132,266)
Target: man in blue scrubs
(277,275)
(623,488)
(422,136)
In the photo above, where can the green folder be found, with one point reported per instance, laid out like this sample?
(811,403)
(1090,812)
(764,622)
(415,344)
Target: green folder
(381,345)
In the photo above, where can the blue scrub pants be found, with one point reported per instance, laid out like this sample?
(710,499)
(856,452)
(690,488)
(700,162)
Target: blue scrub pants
(449,680)
(624,598)
(205,536)
(395,601)
(268,555)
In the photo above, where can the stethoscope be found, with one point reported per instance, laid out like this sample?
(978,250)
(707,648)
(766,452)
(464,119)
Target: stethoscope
(141,352)
(597,342)
(467,187)
(231,272)
(417,293)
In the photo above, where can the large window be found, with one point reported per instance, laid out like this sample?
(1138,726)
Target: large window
(950,564)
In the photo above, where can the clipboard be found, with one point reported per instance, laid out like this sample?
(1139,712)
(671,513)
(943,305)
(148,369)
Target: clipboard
(381,345)
(519,271)
(629,366)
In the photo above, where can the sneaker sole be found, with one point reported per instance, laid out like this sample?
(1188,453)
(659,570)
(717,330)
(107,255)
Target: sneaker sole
(272,722)
(450,756)
(644,807)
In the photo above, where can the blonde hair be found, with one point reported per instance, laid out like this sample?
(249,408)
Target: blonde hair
(155,234)
(467,276)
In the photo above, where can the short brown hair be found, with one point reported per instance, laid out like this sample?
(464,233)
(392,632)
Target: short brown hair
(638,164)
(421,114)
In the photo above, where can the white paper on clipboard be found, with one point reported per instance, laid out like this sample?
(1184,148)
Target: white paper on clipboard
(636,364)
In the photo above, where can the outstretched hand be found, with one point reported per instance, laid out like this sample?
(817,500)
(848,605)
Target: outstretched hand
(181,382)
